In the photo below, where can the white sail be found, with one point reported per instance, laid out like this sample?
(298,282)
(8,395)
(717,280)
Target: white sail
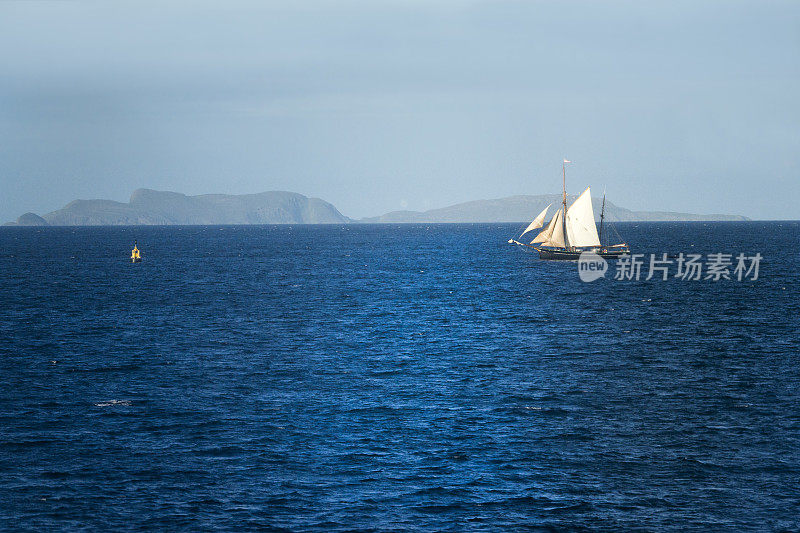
(556,227)
(545,234)
(557,238)
(537,222)
(581,229)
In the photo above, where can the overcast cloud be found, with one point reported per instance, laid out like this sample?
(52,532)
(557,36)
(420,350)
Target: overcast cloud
(378,106)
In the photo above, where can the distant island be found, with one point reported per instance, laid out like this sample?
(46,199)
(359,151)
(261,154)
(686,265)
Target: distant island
(524,208)
(149,207)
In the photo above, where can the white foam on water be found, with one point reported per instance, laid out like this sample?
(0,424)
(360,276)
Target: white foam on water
(109,403)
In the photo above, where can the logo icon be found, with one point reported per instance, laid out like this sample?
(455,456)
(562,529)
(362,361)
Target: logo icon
(591,266)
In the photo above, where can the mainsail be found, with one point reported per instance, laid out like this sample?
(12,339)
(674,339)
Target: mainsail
(537,222)
(581,229)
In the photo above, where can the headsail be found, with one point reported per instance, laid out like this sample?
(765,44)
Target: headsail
(537,222)
(547,231)
(553,234)
(581,229)
(557,238)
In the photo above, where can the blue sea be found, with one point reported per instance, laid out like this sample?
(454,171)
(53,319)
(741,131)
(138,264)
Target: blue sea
(391,378)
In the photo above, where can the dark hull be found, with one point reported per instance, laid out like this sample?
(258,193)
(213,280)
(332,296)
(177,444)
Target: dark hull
(573,255)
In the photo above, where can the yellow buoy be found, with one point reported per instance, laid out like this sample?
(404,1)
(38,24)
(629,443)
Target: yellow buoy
(136,256)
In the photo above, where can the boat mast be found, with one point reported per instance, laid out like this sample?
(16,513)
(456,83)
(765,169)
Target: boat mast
(602,214)
(564,199)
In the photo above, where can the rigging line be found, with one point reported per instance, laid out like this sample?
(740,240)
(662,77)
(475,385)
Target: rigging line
(614,229)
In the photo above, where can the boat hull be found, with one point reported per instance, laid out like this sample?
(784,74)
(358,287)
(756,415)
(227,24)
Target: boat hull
(574,255)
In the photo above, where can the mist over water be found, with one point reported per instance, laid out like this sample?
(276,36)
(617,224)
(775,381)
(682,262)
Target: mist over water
(389,377)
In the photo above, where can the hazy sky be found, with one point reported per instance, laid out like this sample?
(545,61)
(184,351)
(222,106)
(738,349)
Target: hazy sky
(377,106)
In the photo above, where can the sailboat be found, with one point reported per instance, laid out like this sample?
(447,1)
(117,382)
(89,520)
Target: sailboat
(572,230)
